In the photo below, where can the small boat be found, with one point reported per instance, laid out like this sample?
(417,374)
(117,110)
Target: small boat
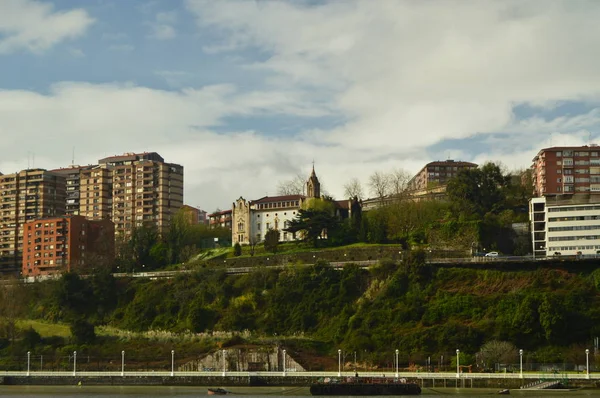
(506,391)
(217,391)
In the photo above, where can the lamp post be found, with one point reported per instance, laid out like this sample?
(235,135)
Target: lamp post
(587,363)
(457,363)
(122,363)
(397,362)
(28,361)
(172,362)
(339,363)
(74,363)
(224,364)
(284,362)
(521,362)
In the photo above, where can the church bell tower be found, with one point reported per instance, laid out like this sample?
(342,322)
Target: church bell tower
(313,186)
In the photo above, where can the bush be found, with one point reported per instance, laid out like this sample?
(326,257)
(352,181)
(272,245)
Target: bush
(237,250)
(83,332)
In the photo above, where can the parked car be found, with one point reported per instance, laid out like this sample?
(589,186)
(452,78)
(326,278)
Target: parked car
(492,254)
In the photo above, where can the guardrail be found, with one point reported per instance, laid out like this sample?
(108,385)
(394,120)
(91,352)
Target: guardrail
(411,375)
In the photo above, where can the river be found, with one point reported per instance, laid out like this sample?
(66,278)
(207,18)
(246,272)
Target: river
(249,392)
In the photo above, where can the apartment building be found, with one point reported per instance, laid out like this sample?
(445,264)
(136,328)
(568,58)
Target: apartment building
(566,170)
(95,192)
(565,224)
(62,244)
(145,190)
(437,173)
(72,177)
(24,196)
(194,215)
(220,219)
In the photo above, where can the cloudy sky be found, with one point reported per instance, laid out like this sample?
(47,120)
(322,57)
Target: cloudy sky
(246,93)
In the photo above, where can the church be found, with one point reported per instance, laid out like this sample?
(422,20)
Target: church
(251,219)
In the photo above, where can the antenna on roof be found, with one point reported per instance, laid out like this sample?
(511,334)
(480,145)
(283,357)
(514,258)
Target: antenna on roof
(33,160)
(73,157)
(28,165)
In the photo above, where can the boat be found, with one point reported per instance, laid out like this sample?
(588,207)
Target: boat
(364,386)
(217,391)
(506,391)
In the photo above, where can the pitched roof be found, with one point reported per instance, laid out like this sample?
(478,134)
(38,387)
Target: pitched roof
(270,199)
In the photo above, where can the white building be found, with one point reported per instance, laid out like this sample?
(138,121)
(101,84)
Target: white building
(251,219)
(565,224)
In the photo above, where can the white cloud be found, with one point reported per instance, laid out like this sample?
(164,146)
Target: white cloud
(162,27)
(76,52)
(34,26)
(101,120)
(409,74)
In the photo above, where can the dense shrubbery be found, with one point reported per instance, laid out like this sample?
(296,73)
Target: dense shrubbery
(424,310)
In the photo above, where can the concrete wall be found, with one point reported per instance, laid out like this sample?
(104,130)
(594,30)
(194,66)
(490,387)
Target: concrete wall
(244,359)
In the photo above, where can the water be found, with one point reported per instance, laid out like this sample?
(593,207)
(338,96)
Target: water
(250,392)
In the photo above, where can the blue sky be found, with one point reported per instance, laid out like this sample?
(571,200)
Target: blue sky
(246,94)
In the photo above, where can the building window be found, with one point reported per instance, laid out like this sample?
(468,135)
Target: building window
(559,163)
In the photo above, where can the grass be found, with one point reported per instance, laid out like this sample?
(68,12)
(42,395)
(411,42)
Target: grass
(45,329)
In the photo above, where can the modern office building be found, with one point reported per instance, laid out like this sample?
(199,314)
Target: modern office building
(566,170)
(437,173)
(62,244)
(565,224)
(24,196)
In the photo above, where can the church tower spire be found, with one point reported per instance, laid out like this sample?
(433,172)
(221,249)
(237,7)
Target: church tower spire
(313,186)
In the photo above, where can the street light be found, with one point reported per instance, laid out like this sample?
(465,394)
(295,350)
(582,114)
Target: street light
(339,363)
(28,361)
(74,363)
(587,363)
(172,362)
(521,362)
(122,363)
(397,362)
(284,362)
(457,363)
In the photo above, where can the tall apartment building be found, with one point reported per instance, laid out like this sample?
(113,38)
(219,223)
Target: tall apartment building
(145,190)
(58,244)
(95,193)
(24,196)
(72,177)
(437,173)
(560,170)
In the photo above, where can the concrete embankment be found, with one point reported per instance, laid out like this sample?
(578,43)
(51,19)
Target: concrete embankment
(244,381)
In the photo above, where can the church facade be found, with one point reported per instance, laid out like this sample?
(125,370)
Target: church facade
(251,219)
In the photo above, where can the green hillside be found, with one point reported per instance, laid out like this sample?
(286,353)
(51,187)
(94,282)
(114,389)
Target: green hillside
(420,309)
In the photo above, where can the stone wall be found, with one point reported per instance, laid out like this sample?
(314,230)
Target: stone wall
(243,360)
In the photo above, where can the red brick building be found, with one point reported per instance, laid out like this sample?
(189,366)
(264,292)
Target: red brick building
(62,244)
(220,219)
(560,170)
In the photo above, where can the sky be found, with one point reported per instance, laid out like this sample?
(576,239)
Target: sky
(246,94)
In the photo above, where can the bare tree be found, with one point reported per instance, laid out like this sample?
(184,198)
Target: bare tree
(379,184)
(495,351)
(353,188)
(295,186)
(399,179)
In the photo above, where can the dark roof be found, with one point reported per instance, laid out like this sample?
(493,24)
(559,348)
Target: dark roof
(69,169)
(450,163)
(342,204)
(269,199)
(132,156)
(562,148)
(220,213)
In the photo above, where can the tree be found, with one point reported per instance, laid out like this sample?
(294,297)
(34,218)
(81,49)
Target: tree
(312,223)
(237,249)
(295,186)
(353,189)
(252,242)
(479,191)
(142,240)
(83,331)
(495,351)
(379,184)
(398,181)
(271,240)
(177,235)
